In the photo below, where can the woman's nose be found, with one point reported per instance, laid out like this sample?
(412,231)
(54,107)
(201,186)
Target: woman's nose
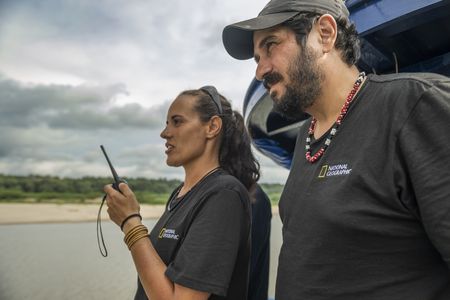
(163,133)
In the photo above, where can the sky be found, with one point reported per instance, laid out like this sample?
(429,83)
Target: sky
(77,74)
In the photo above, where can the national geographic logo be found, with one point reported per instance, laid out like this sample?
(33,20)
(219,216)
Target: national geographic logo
(166,233)
(334,170)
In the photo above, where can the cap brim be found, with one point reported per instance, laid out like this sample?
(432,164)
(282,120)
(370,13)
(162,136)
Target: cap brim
(238,37)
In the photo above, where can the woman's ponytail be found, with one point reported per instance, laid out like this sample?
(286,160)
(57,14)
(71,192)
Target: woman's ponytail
(235,152)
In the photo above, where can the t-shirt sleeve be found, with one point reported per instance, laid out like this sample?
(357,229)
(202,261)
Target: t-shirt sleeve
(206,259)
(424,146)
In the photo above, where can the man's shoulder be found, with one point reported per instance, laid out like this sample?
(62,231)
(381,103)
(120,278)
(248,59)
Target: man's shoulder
(424,79)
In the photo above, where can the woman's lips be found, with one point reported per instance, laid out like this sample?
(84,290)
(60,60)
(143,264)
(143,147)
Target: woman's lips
(169,148)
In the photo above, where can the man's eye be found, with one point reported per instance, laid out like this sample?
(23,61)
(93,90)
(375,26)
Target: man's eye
(269,46)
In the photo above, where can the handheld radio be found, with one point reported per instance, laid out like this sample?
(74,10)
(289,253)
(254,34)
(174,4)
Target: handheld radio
(115,185)
(117,179)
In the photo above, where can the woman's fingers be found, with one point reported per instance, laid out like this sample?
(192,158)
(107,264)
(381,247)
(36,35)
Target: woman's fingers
(126,191)
(120,204)
(108,189)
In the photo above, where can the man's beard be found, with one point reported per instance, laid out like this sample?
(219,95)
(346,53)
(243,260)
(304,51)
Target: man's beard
(305,85)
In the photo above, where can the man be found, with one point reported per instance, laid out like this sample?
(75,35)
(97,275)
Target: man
(366,207)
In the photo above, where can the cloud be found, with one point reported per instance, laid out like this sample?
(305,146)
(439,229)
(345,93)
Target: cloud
(57,130)
(156,50)
(75,153)
(77,74)
(72,107)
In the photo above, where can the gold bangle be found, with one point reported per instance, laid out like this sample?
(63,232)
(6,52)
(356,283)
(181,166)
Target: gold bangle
(136,233)
(144,235)
(133,231)
(131,237)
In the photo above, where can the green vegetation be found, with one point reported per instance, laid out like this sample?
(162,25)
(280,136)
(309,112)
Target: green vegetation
(273,190)
(35,188)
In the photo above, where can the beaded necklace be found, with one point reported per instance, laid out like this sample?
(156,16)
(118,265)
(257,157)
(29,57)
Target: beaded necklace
(344,109)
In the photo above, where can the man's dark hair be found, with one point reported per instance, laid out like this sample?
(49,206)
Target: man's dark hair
(347,40)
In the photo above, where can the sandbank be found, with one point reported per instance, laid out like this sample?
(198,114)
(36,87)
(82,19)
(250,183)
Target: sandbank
(23,213)
(26,213)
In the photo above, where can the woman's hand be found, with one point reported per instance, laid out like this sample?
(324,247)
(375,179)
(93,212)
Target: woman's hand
(120,204)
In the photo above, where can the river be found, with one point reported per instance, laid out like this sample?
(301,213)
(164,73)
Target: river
(62,261)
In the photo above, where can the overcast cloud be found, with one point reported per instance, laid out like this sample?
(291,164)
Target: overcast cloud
(77,74)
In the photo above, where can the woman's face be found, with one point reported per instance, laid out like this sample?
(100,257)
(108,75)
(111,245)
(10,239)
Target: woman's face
(185,134)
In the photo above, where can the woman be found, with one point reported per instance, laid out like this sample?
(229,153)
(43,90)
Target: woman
(200,247)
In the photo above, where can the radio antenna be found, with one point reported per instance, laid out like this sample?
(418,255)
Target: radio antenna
(113,171)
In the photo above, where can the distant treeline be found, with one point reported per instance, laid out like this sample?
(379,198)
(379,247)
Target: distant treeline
(37,188)
(39,184)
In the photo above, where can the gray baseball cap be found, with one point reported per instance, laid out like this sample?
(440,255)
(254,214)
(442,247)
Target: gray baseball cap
(238,37)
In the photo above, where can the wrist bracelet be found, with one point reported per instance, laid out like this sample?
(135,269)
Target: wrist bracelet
(129,217)
(133,231)
(135,234)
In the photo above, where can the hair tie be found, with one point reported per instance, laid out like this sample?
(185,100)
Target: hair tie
(129,217)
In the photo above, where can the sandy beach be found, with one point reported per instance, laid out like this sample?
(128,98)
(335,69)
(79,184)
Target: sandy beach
(25,213)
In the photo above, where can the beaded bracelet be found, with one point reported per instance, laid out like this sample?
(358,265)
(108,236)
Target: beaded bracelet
(129,217)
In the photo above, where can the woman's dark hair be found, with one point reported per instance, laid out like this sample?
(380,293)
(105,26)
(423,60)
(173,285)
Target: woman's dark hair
(347,40)
(235,154)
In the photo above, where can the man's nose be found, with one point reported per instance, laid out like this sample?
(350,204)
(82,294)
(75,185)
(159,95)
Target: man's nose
(262,69)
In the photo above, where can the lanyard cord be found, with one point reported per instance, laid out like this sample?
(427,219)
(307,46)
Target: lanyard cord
(99,228)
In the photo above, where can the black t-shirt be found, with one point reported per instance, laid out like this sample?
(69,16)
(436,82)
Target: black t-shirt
(260,255)
(204,239)
(371,218)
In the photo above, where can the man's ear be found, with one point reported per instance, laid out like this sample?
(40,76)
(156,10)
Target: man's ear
(214,127)
(327,28)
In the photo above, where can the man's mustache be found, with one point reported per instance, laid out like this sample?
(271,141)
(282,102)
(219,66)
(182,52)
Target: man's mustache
(271,79)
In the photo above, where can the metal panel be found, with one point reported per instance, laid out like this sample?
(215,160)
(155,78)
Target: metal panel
(369,15)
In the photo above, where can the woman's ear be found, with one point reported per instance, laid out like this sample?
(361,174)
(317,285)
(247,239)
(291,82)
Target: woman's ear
(327,27)
(214,127)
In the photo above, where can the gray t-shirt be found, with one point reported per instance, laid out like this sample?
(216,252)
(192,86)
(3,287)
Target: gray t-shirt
(204,239)
(371,218)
